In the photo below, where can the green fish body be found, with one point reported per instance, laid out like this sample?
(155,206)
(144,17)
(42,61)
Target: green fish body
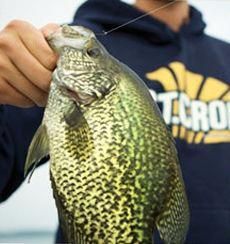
(114,168)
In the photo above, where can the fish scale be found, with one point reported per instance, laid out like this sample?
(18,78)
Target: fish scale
(114,168)
(93,176)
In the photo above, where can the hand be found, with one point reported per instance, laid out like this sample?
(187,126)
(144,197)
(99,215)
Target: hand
(26,64)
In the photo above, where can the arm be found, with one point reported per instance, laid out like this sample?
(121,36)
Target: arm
(26,65)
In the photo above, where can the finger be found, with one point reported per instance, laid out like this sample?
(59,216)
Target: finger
(49,29)
(31,68)
(35,42)
(9,95)
(21,83)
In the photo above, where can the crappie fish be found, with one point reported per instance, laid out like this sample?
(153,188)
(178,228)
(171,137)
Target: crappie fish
(114,167)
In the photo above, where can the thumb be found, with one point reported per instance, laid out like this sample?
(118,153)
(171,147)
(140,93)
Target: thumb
(49,29)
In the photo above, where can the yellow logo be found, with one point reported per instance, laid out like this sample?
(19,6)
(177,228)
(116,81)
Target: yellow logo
(197,107)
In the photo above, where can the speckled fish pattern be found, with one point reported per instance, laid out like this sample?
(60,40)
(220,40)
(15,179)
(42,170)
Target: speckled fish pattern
(114,167)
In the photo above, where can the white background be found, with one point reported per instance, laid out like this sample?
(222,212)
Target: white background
(32,206)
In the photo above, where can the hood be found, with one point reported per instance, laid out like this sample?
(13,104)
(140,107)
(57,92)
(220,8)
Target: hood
(113,13)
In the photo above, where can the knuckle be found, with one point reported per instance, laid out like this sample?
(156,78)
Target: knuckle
(7,42)
(51,61)
(14,24)
(9,33)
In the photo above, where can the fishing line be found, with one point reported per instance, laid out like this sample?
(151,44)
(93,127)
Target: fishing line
(140,17)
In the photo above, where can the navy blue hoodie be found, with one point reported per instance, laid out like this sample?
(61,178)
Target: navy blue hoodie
(188,75)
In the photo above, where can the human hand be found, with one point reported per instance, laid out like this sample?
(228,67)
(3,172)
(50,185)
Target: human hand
(26,64)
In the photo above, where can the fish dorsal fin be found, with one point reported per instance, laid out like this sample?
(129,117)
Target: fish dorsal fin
(38,149)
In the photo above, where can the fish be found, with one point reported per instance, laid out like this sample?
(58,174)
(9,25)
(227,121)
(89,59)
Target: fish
(114,168)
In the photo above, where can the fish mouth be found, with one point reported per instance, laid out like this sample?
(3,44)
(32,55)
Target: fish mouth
(80,97)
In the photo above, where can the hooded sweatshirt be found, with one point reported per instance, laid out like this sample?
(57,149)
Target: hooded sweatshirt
(188,75)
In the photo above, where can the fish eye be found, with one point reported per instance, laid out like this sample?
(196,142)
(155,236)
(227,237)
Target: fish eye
(94,52)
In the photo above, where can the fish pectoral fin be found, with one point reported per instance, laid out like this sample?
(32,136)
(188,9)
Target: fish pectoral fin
(74,117)
(38,149)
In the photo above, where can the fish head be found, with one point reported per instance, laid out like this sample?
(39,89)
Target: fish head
(85,69)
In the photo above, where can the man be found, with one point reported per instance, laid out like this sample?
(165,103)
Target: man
(186,71)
